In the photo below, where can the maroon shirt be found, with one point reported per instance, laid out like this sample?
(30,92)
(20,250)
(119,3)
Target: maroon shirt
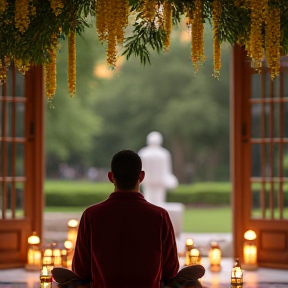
(125,241)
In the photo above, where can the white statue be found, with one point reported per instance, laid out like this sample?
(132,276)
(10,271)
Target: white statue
(157,164)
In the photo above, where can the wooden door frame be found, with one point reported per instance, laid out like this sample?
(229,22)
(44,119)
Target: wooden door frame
(34,90)
(240,161)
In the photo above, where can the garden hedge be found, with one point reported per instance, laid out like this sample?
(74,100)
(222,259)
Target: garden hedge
(80,194)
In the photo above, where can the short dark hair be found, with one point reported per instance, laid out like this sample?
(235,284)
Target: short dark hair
(126,166)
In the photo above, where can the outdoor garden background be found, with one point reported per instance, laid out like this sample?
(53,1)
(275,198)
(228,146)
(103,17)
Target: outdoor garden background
(116,109)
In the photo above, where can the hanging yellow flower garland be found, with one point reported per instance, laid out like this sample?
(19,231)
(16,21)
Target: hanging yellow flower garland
(167,24)
(256,49)
(50,70)
(149,10)
(197,31)
(57,6)
(272,41)
(3,4)
(22,15)
(72,63)
(216,13)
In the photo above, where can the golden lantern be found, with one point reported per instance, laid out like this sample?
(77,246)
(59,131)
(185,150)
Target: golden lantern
(34,253)
(188,247)
(69,253)
(72,230)
(250,251)
(57,257)
(48,256)
(195,257)
(46,275)
(64,258)
(215,257)
(237,275)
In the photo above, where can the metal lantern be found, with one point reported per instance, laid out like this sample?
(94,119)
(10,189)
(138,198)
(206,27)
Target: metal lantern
(188,247)
(215,257)
(72,230)
(236,275)
(34,253)
(46,274)
(69,249)
(195,257)
(250,251)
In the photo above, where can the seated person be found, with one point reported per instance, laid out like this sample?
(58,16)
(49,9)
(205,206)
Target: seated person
(125,241)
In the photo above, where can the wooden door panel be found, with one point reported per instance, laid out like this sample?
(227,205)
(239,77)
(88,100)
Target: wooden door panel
(259,153)
(21,164)
(13,239)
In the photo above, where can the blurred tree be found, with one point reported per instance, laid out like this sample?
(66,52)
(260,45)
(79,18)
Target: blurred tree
(72,123)
(191,111)
(115,110)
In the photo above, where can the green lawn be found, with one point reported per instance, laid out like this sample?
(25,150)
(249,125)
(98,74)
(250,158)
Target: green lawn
(211,219)
(197,220)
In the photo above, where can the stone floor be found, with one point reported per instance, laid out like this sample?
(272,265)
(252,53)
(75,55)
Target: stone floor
(55,229)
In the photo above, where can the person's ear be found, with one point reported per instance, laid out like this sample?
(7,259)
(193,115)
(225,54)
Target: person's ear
(141,176)
(110,176)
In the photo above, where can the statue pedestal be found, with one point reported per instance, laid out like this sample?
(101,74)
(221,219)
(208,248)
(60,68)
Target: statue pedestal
(175,211)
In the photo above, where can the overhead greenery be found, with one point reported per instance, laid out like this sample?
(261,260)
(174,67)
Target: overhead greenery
(30,29)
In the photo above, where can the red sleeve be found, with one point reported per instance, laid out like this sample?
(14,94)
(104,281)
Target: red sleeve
(81,263)
(170,262)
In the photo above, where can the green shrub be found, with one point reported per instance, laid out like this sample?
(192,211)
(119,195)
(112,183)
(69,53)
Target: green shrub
(84,193)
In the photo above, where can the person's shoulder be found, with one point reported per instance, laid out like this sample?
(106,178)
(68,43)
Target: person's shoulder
(157,208)
(95,207)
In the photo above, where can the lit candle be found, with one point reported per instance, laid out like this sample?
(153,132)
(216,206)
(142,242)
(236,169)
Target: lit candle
(188,248)
(46,276)
(250,251)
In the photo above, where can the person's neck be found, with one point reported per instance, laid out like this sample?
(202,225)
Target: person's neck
(135,189)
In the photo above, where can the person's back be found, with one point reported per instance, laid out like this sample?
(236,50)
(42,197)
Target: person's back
(125,241)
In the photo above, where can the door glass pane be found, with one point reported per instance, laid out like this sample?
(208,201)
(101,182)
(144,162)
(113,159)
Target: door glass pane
(20,120)
(19,165)
(256,85)
(256,120)
(285,204)
(285,161)
(276,160)
(285,121)
(15,201)
(19,200)
(285,83)
(255,169)
(276,87)
(19,89)
(276,120)
(9,82)
(19,159)
(9,119)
